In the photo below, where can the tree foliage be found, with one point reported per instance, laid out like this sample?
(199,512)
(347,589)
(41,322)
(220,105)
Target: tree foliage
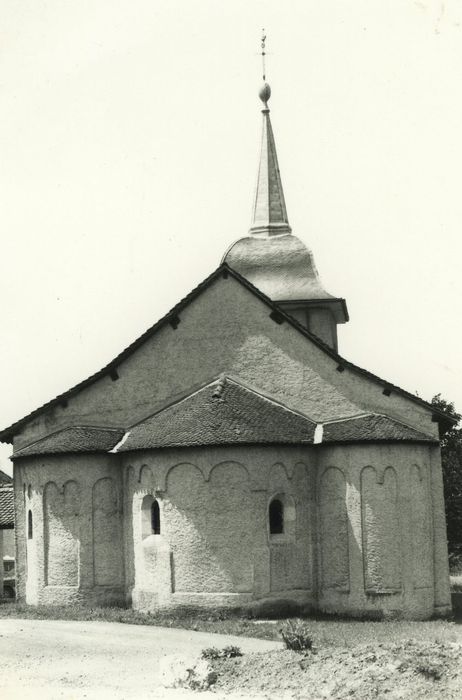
(451,456)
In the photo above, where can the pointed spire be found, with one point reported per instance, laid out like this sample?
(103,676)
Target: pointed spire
(269,216)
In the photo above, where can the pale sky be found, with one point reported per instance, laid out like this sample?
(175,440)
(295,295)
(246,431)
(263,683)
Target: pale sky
(129,144)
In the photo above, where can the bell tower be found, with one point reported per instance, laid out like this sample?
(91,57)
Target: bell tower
(272,258)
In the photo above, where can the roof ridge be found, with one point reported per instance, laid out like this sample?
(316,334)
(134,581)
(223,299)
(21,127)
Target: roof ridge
(355,416)
(249,387)
(379,415)
(222,377)
(175,402)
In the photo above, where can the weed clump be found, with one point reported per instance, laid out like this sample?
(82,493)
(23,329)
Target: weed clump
(430,671)
(212,653)
(296,636)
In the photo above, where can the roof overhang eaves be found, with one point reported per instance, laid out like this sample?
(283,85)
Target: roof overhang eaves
(379,441)
(226,443)
(67,429)
(337,304)
(74,453)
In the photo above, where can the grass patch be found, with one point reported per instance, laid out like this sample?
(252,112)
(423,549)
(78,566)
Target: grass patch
(322,631)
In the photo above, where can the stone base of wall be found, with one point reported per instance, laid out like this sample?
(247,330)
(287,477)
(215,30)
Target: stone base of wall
(100,596)
(380,606)
(285,603)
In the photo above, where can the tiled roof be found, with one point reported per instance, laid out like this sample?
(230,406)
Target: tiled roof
(6,508)
(7,434)
(4,478)
(372,428)
(222,413)
(76,439)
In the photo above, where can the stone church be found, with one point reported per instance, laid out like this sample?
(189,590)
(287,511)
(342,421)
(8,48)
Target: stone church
(231,458)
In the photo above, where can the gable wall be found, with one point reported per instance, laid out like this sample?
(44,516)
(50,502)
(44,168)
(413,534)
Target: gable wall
(226,329)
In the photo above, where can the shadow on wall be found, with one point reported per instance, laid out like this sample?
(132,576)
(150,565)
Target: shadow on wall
(218,531)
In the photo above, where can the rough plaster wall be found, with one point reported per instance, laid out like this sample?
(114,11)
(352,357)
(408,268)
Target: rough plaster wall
(381,530)
(420,513)
(107,553)
(8,543)
(196,487)
(19,531)
(33,545)
(299,314)
(293,472)
(290,560)
(57,489)
(214,511)
(333,531)
(440,546)
(401,508)
(128,480)
(322,324)
(227,329)
(62,537)
(214,517)
(148,562)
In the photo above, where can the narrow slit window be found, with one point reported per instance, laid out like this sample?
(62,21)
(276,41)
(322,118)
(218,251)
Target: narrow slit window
(276,517)
(155,518)
(30,529)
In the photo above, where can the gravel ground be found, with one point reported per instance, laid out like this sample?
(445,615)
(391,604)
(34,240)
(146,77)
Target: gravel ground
(77,660)
(56,659)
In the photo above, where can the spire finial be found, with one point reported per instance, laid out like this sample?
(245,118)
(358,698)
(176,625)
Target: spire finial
(263,40)
(265,90)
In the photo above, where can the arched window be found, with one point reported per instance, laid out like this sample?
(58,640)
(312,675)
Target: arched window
(150,517)
(29,525)
(155,518)
(276,517)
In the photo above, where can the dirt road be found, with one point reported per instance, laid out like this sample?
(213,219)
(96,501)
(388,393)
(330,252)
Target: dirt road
(55,659)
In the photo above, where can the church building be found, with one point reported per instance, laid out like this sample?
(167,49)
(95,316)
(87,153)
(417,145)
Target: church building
(230,457)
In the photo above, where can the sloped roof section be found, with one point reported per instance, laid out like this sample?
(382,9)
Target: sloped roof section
(5,479)
(7,434)
(6,508)
(222,413)
(372,428)
(73,440)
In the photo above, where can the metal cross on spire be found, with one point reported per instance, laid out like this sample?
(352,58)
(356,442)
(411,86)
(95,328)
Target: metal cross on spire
(263,54)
